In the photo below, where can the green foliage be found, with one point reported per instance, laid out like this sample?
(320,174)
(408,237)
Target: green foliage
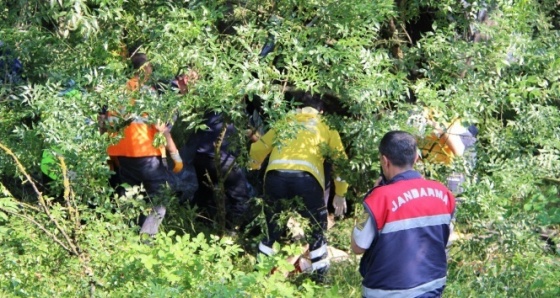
(374,60)
(546,205)
(503,258)
(170,265)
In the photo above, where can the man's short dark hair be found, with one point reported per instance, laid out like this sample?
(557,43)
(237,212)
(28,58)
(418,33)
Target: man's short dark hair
(399,147)
(138,60)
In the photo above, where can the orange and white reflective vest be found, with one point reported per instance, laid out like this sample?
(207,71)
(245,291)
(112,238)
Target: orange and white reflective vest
(138,135)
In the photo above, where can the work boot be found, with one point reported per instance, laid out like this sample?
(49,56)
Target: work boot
(151,224)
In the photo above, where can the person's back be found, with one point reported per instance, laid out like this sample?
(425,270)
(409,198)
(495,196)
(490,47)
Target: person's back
(407,228)
(306,146)
(138,135)
(305,152)
(206,138)
(210,173)
(411,217)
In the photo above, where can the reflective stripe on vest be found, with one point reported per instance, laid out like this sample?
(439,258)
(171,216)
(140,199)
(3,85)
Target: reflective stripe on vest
(319,252)
(265,249)
(418,222)
(324,263)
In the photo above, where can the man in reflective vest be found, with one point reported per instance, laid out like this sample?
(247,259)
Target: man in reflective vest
(137,160)
(295,169)
(405,228)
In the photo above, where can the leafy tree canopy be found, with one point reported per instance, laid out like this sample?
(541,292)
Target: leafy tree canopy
(494,63)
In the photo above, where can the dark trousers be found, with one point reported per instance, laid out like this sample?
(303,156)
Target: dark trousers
(149,171)
(154,175)
(283,189)
(235,184)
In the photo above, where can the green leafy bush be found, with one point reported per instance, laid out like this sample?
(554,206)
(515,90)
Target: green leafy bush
(373,61)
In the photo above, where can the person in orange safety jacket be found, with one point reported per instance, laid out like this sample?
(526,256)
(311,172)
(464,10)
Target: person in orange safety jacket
(137,160)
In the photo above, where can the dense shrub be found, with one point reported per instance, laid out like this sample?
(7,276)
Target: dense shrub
(373,61)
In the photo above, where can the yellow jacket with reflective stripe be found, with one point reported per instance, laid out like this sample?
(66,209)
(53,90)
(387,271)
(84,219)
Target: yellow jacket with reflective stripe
(303,153)
(438,148)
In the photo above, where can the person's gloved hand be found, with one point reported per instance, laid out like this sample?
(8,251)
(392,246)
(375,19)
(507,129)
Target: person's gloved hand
(178,162)
(339,204)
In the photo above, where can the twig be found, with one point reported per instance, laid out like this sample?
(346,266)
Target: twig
(69,195)
(220,196)
(42,228)
(312,22)
(22,169)
(551,179)
(286,81)
(42,202)
(25,205)
(404,29)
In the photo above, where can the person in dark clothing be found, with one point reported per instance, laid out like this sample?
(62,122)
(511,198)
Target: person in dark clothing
(209,169)
(11,68)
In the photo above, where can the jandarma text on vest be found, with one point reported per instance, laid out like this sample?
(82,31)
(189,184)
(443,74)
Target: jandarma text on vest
(416,193)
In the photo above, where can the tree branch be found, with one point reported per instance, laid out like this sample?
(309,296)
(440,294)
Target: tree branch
(42,228)
(42,202)
(69,196)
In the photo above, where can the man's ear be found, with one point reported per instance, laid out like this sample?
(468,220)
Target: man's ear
(385,161)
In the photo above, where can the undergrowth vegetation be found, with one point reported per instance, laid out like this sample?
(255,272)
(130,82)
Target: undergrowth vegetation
(492,63)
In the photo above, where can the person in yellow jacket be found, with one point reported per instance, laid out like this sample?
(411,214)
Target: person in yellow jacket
(136,158)
(447,141)
(295,172)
